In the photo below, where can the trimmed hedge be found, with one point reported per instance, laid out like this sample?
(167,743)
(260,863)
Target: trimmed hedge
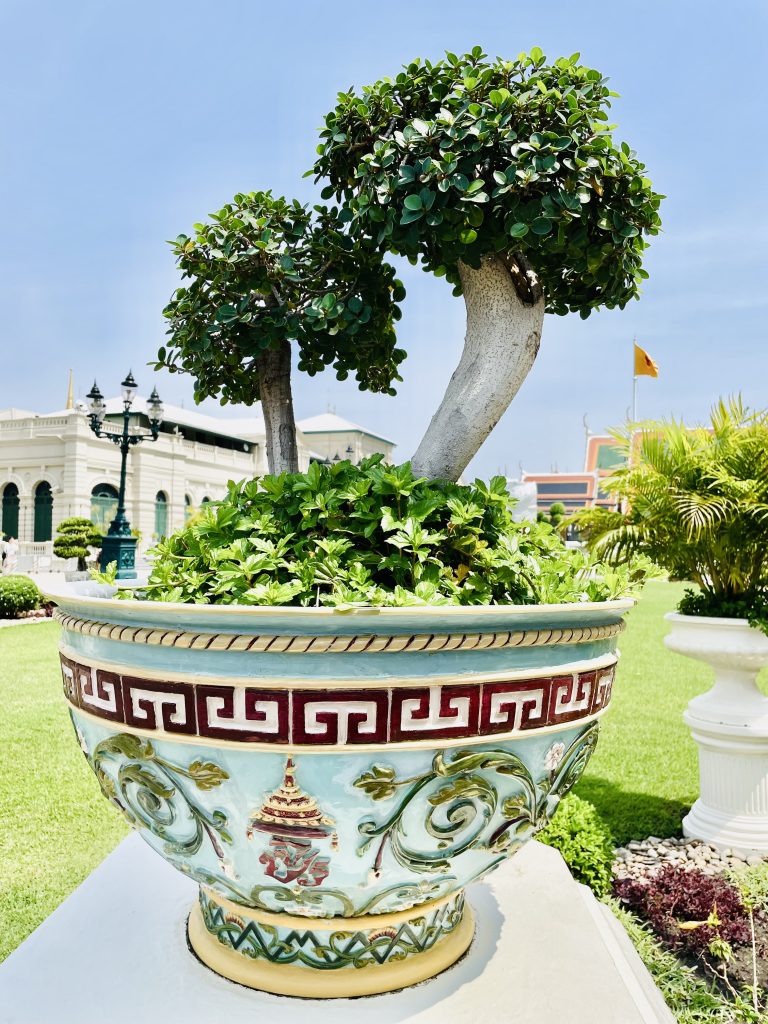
(18,594)
(584,841)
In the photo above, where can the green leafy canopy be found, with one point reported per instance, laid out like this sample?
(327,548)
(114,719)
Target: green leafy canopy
(468,157)
(264,270)
(373,535)
(453,160)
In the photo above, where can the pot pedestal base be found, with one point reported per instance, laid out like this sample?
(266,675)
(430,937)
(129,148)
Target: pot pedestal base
(329,958)
(732,808)
(729,725)
(723,829)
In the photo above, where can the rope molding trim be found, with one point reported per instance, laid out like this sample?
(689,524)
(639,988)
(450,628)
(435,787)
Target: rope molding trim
(351,644)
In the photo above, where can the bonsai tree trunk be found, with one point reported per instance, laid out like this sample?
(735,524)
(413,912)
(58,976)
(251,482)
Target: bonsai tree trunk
(505,311)
(274,368)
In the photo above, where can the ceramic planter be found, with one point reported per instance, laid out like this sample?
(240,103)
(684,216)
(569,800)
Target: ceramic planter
(334,780)
(730,726)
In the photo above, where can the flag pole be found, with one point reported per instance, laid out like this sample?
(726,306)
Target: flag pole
(634,382)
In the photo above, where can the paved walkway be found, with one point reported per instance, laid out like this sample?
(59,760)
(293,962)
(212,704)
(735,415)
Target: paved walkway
(24,622)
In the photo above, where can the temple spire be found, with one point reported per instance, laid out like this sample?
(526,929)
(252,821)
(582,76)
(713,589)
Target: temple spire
(70,393)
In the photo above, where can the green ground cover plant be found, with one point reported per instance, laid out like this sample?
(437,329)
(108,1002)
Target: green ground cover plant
(690,998)
(375,535)
(716,923)
(584,840)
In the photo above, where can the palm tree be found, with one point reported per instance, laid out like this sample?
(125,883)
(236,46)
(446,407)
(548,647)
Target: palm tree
(695,500)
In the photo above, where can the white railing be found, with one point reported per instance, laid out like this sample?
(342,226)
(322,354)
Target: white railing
(35,556)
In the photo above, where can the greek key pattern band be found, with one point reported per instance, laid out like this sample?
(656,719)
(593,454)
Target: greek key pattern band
(352,644)
(314,717)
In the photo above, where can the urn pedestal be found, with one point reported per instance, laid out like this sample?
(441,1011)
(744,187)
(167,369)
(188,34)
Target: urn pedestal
(334,780)
(730,726)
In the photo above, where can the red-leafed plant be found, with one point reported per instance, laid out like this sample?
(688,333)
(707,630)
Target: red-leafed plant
(690,910)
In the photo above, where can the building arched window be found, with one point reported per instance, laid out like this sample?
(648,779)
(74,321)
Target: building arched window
(43,512)
(103,506)
(188,510)
(10,511)
(161,514)
(206,501)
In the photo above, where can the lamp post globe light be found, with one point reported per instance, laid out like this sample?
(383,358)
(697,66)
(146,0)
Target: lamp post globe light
(118,545)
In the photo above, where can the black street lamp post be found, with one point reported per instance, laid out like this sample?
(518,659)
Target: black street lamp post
(118,545)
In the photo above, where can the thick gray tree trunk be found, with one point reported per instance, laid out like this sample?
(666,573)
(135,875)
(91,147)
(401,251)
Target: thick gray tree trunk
(505,311)
(274,368)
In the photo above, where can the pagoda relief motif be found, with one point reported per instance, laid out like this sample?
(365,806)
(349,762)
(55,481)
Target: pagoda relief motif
(293,819)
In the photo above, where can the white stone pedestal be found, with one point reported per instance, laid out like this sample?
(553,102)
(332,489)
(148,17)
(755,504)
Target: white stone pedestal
(116,951)
(730,726)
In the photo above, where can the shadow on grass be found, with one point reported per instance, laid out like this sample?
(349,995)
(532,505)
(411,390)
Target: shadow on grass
(633,815)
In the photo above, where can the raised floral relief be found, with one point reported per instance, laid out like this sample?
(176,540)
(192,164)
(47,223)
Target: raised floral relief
(157,794)
(464,809)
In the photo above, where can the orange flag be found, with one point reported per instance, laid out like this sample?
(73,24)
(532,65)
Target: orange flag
(644,365)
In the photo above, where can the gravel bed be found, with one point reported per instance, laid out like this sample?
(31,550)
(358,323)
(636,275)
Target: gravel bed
(647,856)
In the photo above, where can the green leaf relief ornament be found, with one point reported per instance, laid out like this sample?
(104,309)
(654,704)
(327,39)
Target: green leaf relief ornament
(464,809)
(154,793)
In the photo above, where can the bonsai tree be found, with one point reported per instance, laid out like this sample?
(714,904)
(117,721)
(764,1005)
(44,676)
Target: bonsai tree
(267,272)
(500,175)
(74,537)
(696,502)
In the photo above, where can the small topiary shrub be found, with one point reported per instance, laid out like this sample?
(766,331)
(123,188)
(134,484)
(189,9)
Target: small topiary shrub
(585,842)
(74,537)
(18,594)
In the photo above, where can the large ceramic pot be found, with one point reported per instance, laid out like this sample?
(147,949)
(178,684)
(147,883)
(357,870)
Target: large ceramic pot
(334,780)
(730,726)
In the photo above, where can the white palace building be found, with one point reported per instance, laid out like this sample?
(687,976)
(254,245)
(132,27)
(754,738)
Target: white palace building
(52,466)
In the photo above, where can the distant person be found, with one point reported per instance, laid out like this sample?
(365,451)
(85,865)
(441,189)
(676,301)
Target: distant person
(3,553)
(11,555)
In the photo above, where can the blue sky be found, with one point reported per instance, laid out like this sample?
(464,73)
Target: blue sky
(122,124)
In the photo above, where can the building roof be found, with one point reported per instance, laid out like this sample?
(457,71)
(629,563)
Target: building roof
(242,428)
(16,414)
(330,423)
(250,428)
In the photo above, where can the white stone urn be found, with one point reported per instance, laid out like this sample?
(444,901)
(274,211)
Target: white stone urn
(730,726)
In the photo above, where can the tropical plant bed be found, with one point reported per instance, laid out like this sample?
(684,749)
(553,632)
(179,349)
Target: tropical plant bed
(692,997)
(717,923)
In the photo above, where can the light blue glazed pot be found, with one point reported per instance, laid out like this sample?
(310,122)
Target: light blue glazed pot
(358,769)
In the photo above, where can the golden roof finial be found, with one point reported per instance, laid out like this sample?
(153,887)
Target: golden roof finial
(70,394)
(290,812)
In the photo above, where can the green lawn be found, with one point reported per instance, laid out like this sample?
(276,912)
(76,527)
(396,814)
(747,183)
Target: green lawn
(643,776)
(55,826)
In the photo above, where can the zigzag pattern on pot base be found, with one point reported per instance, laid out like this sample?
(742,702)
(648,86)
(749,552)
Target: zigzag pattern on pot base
(324,957)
